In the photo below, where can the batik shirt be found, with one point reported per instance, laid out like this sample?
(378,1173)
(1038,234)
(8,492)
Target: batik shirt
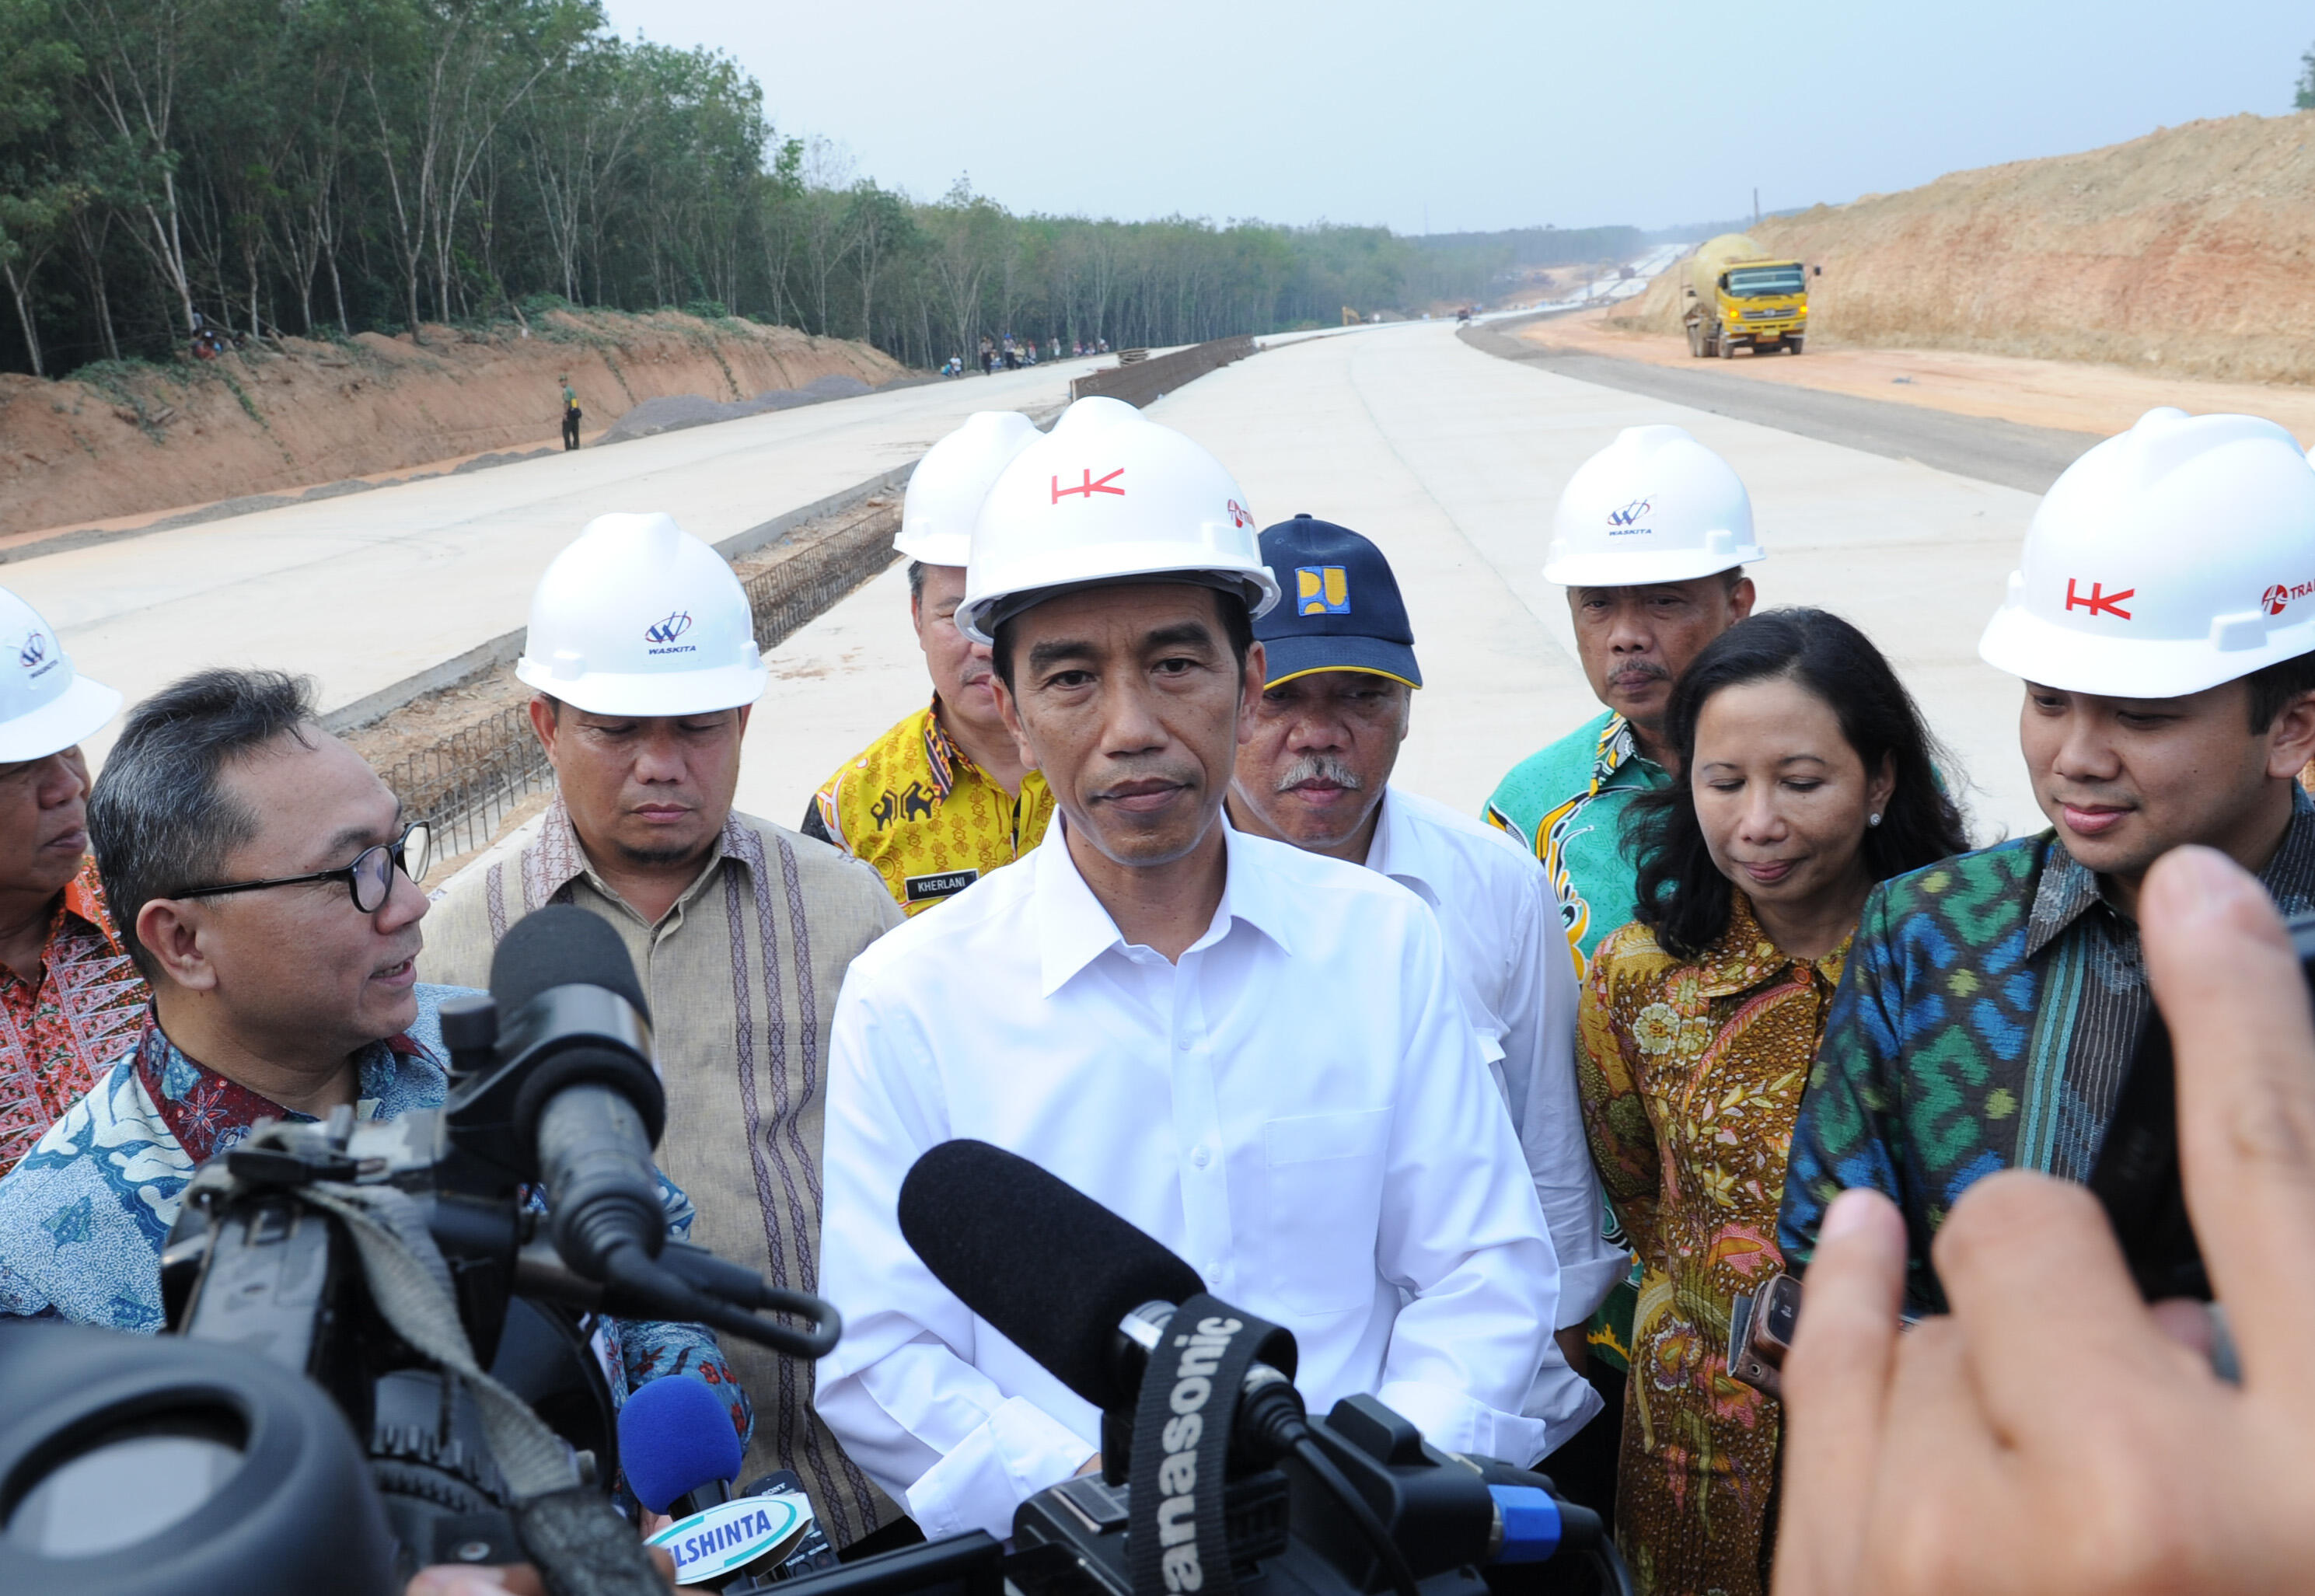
(57,1038)
(1691,1071)
(929,819)
(1990,1012)
(83,1217)
(1567,804)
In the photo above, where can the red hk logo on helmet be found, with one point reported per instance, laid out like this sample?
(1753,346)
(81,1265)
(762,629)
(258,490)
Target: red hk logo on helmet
(1090,485)
(2279,596)
(1239,515)
(2098,601)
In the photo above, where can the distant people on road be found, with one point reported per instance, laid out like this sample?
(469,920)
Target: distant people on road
(570,413)
(942,798)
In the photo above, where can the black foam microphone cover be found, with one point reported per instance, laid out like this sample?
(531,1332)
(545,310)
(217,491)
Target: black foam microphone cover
(560,946)
(1052,1268)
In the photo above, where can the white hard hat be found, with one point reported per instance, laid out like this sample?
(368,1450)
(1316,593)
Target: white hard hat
(2168,559)
(1654,506)
(638,617)
(45,707)
(1127,497)
(1095,411)
(948,484)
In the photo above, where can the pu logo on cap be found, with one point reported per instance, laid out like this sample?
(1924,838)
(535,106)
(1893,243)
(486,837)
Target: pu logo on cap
(35,650)
(2279,596)
(1322,591)
(1090,485)
(1239,515)
(2098,601)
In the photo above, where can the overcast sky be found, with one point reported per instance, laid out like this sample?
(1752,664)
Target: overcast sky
(1456,115)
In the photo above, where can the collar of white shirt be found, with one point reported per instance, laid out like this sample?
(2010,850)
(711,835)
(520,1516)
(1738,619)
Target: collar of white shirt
(1073,928)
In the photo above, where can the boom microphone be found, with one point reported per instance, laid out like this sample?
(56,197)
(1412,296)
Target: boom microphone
(1053,1270)
(570,1009)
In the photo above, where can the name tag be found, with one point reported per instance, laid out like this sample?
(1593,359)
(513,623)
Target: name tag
(923,889)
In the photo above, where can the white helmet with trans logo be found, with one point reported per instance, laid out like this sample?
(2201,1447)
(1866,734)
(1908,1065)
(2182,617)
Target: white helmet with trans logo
(2167,559)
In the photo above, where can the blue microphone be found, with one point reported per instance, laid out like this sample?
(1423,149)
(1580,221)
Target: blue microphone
(675,1441)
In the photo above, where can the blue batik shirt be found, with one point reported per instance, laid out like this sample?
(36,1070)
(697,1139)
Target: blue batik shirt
(83,1217)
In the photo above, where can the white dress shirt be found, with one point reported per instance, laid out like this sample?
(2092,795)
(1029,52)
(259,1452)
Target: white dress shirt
(1510,963)
(1297,1108)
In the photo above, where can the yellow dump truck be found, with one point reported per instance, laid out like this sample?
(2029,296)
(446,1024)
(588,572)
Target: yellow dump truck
(1736,296)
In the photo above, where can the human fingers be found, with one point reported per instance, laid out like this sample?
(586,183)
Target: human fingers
(2055,1325)
(1835,1382)
(2230,987)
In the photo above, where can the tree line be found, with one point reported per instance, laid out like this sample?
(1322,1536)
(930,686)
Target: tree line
(180,169)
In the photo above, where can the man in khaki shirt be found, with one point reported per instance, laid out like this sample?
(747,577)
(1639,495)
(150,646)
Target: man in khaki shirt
(641,647)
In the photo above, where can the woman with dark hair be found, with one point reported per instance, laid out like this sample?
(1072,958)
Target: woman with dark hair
(1809,776)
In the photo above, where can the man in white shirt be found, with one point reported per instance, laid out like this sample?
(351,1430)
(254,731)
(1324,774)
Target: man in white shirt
(1336,704)
(1252,1053)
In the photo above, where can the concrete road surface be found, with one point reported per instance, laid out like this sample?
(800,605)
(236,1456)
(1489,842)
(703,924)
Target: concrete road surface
(367,591)
(1451,460)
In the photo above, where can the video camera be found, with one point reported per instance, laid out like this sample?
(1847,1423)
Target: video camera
(406,1269)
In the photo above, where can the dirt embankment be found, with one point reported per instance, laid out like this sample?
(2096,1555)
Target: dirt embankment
(2188,251)
(122,441)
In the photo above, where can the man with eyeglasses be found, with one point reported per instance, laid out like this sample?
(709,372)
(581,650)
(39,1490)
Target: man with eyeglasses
(266,881)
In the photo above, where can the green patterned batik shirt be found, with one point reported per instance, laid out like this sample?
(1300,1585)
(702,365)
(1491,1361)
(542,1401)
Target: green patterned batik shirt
(1985,1021)
(1566,803)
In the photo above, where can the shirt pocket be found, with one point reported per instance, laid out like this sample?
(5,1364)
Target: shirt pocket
(1322,1185)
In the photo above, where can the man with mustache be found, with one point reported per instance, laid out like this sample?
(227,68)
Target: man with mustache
(944,797)
(70,997)
(1336,700)
(266,880)
(642,661)
(1649,539)
(1252,1053)
(2162,620)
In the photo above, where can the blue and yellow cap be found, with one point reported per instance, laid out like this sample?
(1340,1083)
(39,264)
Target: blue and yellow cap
(1341,608)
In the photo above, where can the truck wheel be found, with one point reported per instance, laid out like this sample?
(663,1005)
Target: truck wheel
(1792,346)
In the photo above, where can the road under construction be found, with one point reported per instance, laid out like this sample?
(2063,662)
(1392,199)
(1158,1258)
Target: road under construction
(1445,452)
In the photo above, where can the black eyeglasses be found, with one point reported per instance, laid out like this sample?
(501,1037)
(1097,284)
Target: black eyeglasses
(369,878)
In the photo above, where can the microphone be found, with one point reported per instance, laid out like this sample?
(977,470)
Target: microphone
(677,1446)
(573,1011)
(991,1224)
(1053,1270)
(680,1455)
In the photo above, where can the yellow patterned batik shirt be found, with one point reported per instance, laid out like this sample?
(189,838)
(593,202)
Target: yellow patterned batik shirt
(929,819)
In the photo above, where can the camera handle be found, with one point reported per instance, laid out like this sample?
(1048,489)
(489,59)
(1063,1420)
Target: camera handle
(579,1541)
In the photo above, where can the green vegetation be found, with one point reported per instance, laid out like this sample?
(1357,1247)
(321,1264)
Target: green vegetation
(325,167)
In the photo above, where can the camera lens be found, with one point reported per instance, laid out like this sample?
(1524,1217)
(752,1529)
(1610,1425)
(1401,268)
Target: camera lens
(115,1485)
